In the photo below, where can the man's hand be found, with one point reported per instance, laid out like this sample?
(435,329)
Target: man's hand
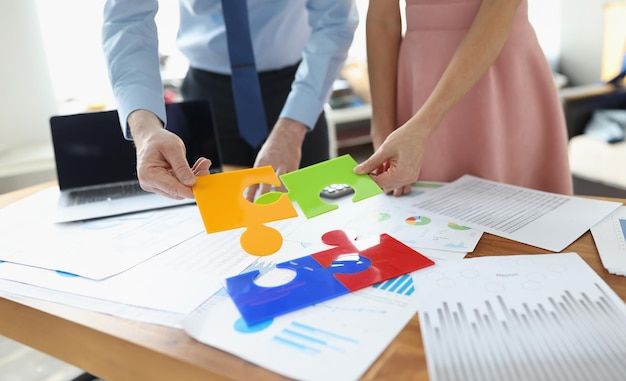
(161,163)
(282,150)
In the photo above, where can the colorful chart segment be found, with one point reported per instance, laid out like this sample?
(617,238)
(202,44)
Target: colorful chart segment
(454,226)
(622,224)
(379,217)
(400,285)
(418,220)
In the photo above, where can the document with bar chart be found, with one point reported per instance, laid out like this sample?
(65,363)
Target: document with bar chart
(522,317)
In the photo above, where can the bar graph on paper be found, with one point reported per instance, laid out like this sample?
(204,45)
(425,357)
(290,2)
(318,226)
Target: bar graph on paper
(400,285)
(524,327)
(312,340)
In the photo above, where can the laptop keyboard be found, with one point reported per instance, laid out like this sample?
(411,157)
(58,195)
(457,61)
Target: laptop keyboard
(86,196)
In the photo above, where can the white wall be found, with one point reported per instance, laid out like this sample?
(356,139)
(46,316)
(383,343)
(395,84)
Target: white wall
(545,16)
(72,30)
(52,63)
(73,44)
(27,97)
(581,42)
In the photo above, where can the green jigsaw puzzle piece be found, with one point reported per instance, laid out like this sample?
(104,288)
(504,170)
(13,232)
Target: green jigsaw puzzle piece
(304,185)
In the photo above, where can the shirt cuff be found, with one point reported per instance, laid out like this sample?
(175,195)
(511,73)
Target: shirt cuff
(302,107)
(139,99)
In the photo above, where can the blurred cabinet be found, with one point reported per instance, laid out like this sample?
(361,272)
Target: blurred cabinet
(348,127)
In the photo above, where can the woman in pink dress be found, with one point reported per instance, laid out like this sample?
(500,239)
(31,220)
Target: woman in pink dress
(467,90)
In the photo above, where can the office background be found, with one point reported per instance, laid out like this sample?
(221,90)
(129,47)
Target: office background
(52,64)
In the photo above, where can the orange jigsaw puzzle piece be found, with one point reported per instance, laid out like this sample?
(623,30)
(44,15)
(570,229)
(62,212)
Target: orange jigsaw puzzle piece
(223,207)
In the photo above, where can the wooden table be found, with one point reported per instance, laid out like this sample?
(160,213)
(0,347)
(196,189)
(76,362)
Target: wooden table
(118,349)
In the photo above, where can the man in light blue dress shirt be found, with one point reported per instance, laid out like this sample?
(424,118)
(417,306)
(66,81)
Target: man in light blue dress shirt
(299,46)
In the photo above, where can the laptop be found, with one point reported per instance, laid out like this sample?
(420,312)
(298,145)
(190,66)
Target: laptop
(96,165)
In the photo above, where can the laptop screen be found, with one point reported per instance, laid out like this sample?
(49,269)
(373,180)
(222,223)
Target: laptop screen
(90,149)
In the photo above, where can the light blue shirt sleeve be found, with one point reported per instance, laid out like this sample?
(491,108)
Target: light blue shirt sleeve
(316,32)
(332,23)
(130,44)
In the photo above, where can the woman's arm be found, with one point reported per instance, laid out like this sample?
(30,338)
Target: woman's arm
(473,57)
(401,153)
(383,36)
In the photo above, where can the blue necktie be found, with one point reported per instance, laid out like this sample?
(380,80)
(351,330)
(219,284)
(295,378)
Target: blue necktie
(245,80)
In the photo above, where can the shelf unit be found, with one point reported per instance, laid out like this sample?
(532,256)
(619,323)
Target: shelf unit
(348,127)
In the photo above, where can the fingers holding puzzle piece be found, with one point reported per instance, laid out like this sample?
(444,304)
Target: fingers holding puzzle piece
(223,207)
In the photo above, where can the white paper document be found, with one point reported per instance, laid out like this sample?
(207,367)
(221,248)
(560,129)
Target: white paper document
(94,249)
(177,280)
(395,216)
(521,317)
(546,220)
(23,293)
(161,290)
(610,238)
(334,340)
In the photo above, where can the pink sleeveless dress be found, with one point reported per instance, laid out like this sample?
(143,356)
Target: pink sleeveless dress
(510,127)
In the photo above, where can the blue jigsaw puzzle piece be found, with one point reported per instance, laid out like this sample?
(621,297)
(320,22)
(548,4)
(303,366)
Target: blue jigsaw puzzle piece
(324,275)
(312,284)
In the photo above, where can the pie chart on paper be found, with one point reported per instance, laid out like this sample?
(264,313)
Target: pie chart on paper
(418,220)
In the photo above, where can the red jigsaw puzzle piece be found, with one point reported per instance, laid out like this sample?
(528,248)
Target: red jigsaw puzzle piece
(389,258)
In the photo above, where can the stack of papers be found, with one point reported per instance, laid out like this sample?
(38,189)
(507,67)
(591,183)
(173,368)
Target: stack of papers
(156,266)
(522,317)
(610,238)
(161,267)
